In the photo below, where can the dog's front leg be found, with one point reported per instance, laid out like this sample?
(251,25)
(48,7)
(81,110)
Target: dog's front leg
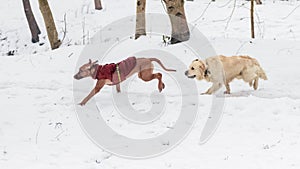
(213,88)
(227,88)
(97,88)
(118,88)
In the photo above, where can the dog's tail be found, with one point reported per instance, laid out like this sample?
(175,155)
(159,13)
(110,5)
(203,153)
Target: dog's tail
(261,73)
(259,70)
(159,62)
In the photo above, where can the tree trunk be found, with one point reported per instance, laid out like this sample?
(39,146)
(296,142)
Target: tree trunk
(258,2)
(180,29)
(252,19)
(33,26)
(140,26)
(98,5)
(50,25)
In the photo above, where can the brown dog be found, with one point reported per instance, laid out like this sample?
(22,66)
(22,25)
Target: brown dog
(221,70)
(114,74)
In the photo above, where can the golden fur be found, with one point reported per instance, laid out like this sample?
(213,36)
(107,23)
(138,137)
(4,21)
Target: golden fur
(221,70)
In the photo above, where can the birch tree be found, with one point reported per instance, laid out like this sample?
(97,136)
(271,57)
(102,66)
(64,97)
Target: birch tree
(140,27)
(49,23)
(180,29)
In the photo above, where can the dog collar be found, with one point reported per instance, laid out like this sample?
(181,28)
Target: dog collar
(206,72)
(96,66)
(118,73)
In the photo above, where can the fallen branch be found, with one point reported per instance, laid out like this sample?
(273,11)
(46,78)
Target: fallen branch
(65,30)
(203,12)
(70,54)
(37,134)
(230,16)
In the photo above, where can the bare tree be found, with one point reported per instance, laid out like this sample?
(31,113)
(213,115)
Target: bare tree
(50,25)
(258,2)
(180,29)
(140,27)
(252,19)
(33,26)
(98,5)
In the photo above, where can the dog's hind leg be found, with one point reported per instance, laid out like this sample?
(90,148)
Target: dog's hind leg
(251,83)
(255,86)
(227,88)
(161,85)
(147,75)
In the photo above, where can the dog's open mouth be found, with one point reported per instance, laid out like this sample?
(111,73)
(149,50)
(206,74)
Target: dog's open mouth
(187,74)
(192,77)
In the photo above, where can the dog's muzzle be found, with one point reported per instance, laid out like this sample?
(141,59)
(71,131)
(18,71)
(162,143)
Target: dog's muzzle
(187,74)
(76,77)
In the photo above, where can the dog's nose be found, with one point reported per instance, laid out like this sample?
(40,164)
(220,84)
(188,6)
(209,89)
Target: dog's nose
(75,77)
(186,73)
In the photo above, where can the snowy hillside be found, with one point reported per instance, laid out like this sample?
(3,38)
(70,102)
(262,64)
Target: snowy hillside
(259,129)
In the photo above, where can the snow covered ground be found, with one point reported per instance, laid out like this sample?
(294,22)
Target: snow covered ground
(259,129)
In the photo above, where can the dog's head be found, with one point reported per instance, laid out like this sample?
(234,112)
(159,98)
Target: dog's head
(85,70)
(196,70)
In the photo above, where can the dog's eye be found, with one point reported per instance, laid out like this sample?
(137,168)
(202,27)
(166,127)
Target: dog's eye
(192,68)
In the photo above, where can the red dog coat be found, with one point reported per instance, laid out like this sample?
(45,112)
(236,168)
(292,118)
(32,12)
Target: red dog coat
(109,71)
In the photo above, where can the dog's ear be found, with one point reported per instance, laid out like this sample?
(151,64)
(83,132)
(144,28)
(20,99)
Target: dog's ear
(202,66)
(90,61)
(95,62)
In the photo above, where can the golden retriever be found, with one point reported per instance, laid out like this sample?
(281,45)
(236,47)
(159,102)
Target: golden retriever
(221,70)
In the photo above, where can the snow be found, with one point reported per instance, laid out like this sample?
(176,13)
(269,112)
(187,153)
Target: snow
(83,21)
(259,129)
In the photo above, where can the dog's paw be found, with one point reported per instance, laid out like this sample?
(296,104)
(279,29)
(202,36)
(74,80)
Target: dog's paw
(81,104)
(161,87)
(206,93)
(226,92)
